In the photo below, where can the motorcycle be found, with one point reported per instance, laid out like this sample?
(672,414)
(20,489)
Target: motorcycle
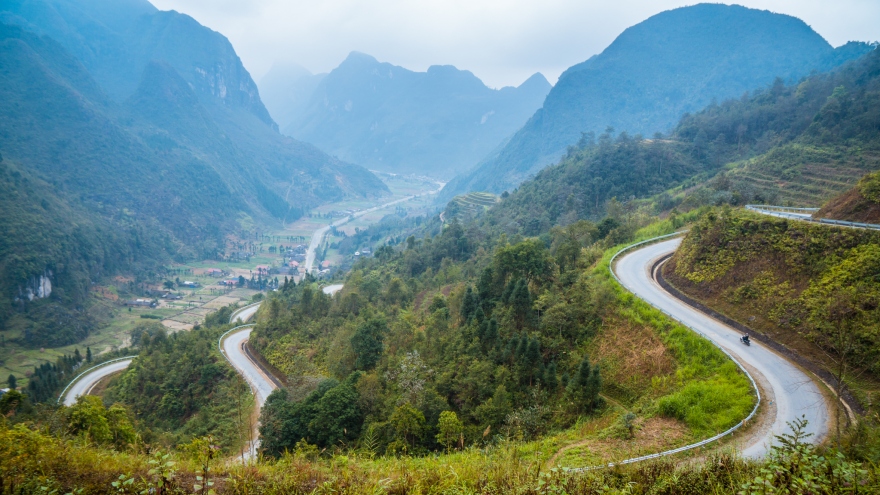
(745,340)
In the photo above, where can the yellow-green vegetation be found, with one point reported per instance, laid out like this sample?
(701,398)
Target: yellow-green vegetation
(517,340)
(812,287)
(35,461)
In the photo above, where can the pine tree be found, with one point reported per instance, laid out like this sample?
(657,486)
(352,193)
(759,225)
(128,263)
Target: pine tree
(468,305)
(583,389)
(532,360)
(479,315)
(521,302)
(492,331)
(77,355)
(88,354)
(11,382)
(550,381)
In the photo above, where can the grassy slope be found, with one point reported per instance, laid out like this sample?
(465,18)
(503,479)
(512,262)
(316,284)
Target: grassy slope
(859,204)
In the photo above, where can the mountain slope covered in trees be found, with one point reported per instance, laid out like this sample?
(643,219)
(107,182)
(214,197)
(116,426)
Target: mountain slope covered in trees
(801,144)
(160,163)
(392,119)
(464,339)
(672,63)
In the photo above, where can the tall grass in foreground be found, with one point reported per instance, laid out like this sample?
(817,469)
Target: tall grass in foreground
(34,462)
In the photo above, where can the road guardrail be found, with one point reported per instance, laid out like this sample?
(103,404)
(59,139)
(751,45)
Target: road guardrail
(797,214)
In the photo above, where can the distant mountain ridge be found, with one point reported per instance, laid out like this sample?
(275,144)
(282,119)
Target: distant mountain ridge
(392,119)
(675,62)
(286,90)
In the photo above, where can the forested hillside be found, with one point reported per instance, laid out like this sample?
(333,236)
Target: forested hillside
(437,123)
(461,339)
(800,144)
(180,388)
(674,62)
(141,138)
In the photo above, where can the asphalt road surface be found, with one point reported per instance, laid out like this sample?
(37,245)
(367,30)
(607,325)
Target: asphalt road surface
(332,289)
(85,384)
(793,392)
(245,314)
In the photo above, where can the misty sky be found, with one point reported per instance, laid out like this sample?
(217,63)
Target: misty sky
(501,41)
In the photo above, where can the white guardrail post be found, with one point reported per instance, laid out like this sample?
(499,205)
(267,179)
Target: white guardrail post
(93,368)
(751,379)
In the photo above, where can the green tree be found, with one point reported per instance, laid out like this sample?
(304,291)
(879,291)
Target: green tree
(583,388)
(521,302)
(11,382)
(468,305)
(10,402)
(88,355)
(409,423)
(367,342)
(449,429)
(529,259)
(122,431)
(88,417)
(337,416)
(550,380)
(495,409)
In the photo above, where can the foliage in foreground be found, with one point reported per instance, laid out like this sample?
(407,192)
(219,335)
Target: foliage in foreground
(32,461)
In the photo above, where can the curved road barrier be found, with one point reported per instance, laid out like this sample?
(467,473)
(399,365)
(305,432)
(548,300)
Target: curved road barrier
(794,393)
(806,214)
(86,381)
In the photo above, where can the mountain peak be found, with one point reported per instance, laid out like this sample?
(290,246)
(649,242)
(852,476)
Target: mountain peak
(356,57)
(674,62)
(536,81)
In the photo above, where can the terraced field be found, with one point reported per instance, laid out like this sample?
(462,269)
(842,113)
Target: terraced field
(469,205)
(804,176)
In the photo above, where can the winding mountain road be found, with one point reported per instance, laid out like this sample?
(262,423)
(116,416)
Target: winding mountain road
(789,392)
(87,382)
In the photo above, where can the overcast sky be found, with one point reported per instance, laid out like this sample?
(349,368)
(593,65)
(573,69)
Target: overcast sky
(501,41)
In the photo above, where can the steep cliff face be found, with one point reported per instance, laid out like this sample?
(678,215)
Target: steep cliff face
(117,39)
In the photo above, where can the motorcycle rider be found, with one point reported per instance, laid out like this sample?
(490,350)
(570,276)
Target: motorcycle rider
(745,338)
